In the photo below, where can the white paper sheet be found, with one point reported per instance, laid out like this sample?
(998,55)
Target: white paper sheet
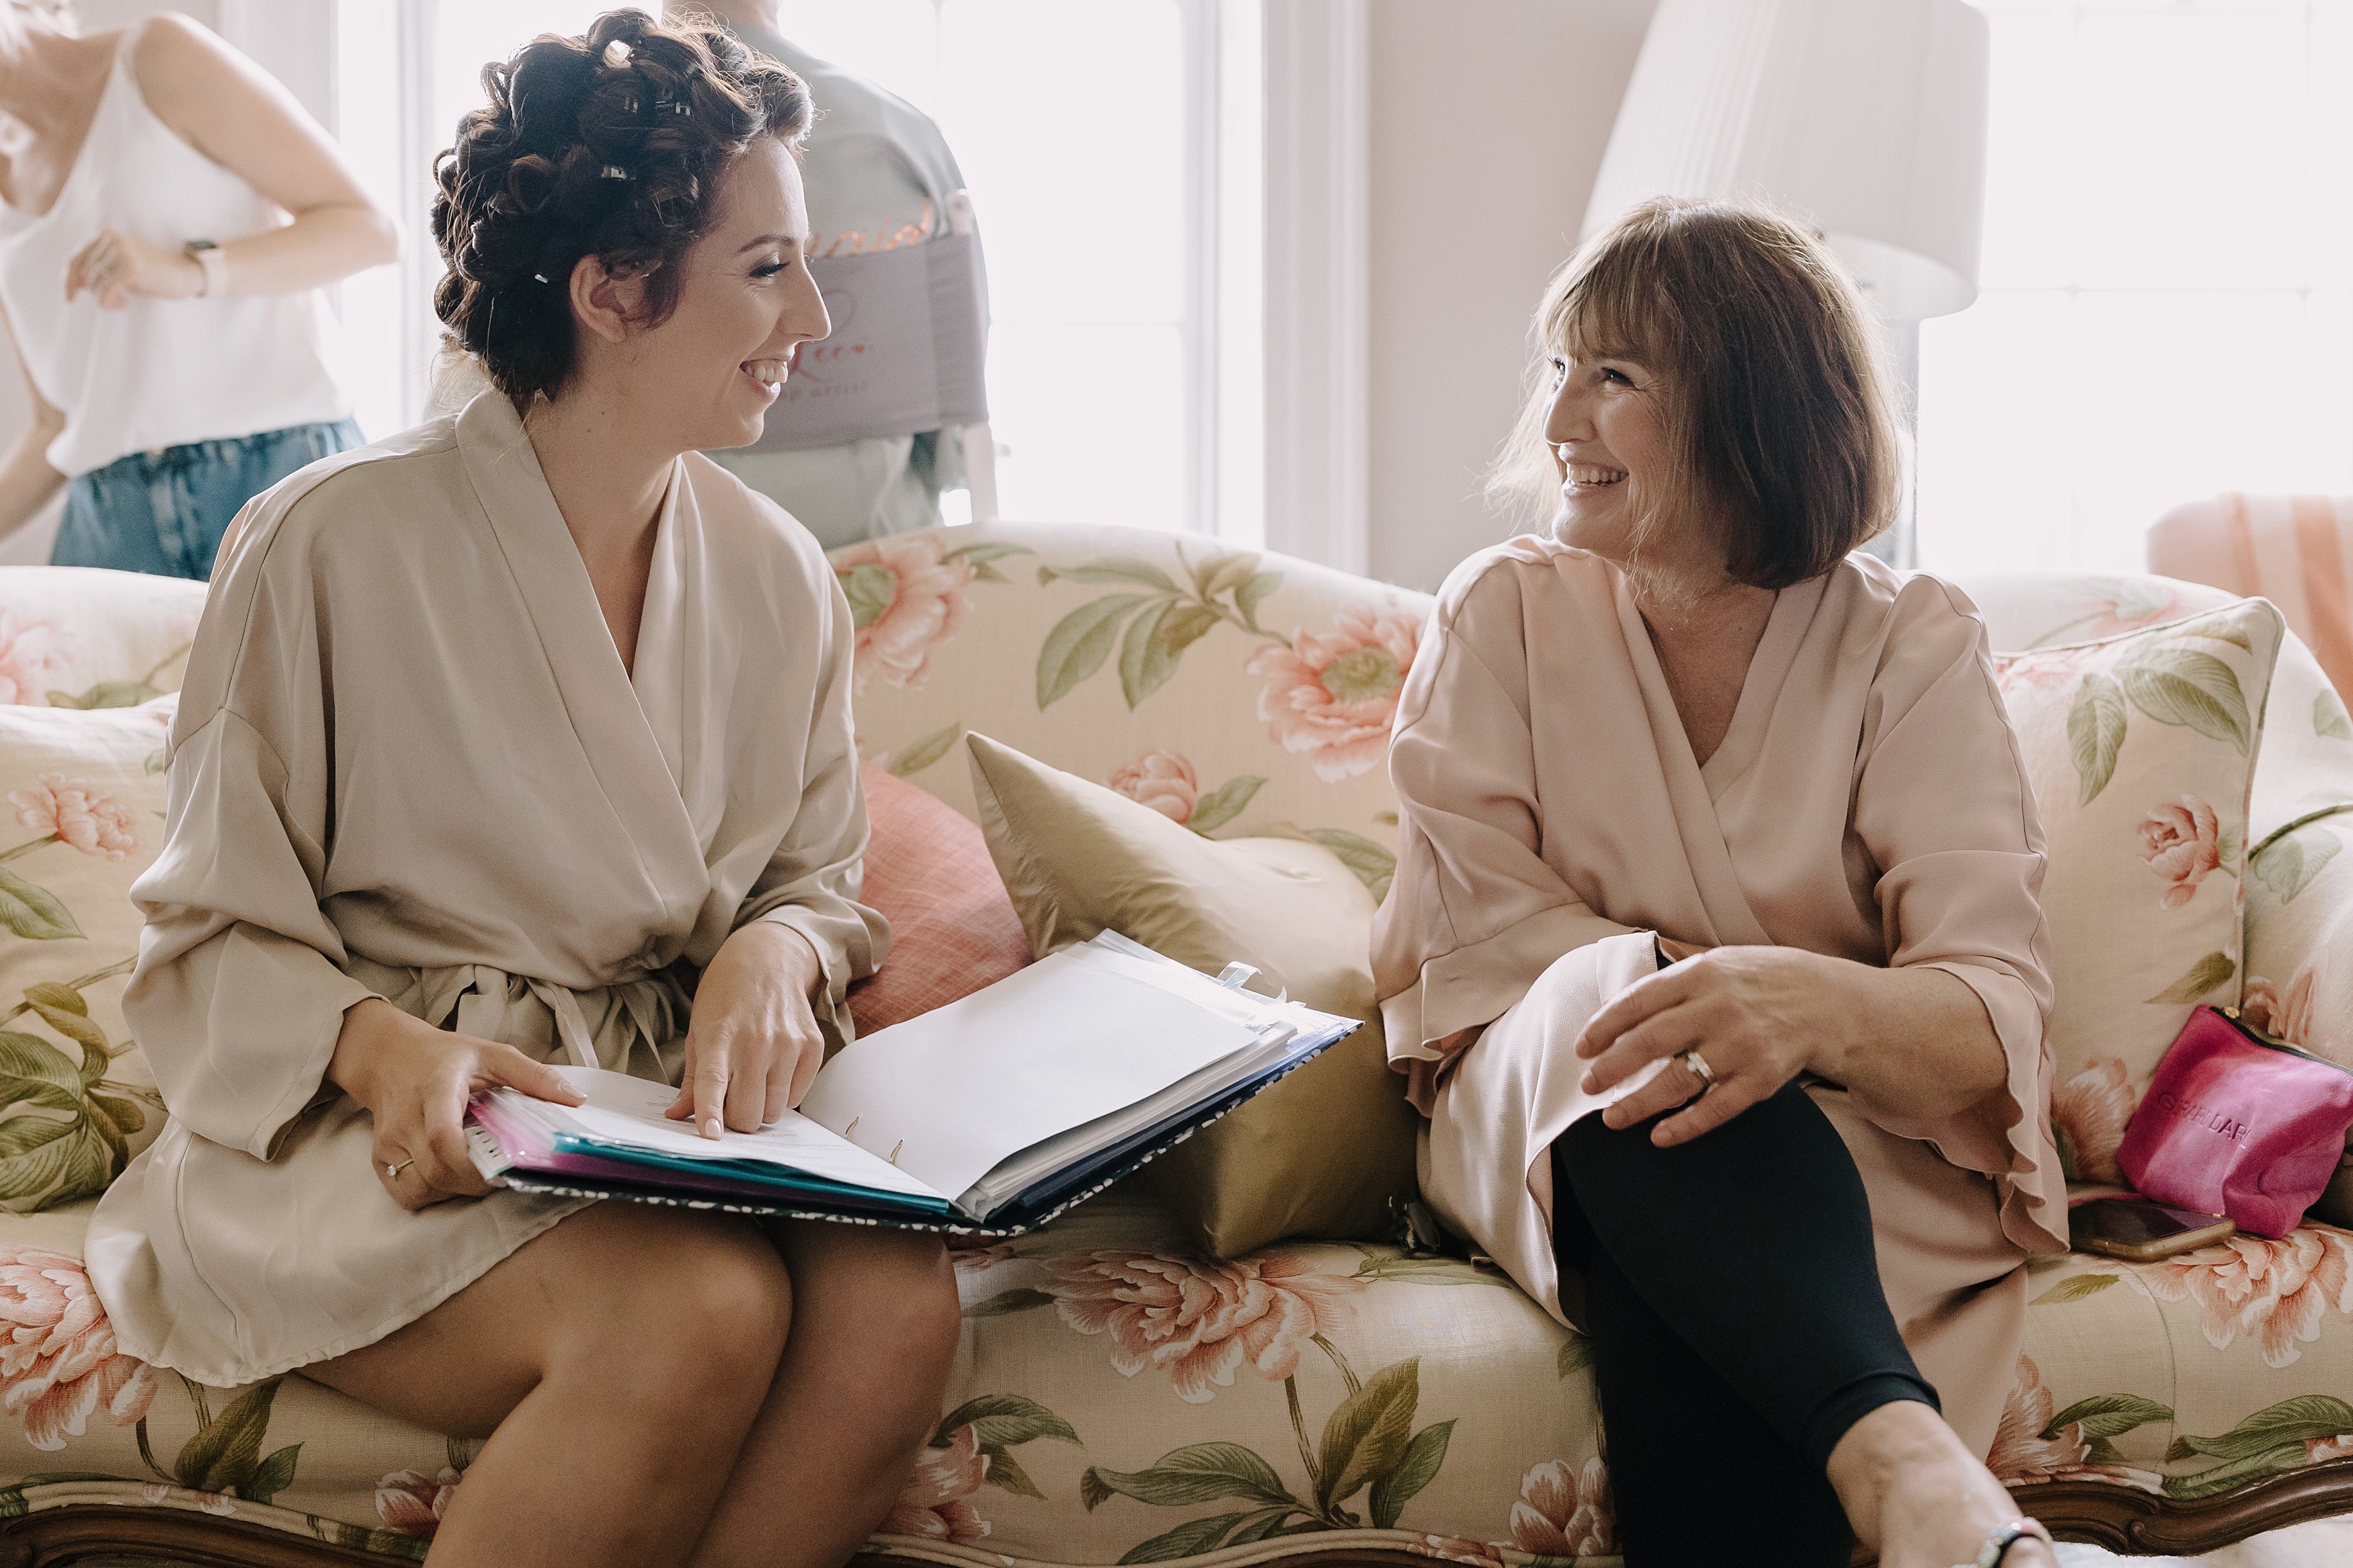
(948,1095)
(624,1110)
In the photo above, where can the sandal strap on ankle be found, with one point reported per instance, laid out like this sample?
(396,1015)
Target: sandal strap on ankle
(1996,1550)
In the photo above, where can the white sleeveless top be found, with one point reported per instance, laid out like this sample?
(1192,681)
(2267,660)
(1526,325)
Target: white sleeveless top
(158,372)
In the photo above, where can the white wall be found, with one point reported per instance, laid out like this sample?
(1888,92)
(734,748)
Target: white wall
(1489,118)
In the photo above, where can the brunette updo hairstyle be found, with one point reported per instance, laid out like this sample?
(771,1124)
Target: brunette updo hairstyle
(614,145)
(1780,409)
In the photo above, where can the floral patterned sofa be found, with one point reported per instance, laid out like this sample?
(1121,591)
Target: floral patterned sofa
(1117,1399)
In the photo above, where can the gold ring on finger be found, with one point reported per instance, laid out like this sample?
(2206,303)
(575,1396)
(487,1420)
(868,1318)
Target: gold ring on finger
(1697,1066)
(392,1173)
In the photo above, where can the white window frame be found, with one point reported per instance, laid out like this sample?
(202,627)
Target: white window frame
(1277,317)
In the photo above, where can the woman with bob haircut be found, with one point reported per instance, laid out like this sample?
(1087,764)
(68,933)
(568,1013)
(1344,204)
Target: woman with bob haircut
(523,739)
(1715,954)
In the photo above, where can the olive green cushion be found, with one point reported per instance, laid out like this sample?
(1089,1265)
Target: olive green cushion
(1325,1152)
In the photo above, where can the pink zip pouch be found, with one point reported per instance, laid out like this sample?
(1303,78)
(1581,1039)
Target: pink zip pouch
(2235,1125)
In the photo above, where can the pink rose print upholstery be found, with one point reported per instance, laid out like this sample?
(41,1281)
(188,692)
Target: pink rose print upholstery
(58,1366)
(2181,842)
(2033,1443)
(937,1503)
(1332,696)
(1162,780)
(2143,751)
(1565,1512)
(1119,1398)
(1202,1320)
(2288,1017)
(410,1502)
(82,637)
(1240,693)
(75,812)
(32,655)
(2088,1112)
(907,595)
(2277,1293)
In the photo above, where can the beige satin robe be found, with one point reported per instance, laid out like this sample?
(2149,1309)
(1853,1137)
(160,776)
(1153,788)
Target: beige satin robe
(1867,802)
(409,763)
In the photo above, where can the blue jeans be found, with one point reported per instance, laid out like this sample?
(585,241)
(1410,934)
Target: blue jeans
(165,513)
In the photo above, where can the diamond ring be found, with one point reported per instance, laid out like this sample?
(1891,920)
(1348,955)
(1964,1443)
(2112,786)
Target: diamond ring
(392,1173)
(1697,1066)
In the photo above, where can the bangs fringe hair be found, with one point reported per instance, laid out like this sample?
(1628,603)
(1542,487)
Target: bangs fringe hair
(1779,400)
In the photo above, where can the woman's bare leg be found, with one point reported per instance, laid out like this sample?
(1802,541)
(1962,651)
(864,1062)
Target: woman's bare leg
(875,1327)
(615,1363)
(1918,1496)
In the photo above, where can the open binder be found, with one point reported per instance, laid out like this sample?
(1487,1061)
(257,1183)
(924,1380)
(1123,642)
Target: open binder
(989,1115)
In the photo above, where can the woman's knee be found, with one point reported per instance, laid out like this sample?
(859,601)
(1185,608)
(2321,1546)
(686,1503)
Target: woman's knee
(684,1303)
(894,1288)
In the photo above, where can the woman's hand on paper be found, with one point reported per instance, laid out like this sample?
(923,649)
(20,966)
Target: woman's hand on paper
(415,1081)
(115,266)
(1756,1015)
(751,1046)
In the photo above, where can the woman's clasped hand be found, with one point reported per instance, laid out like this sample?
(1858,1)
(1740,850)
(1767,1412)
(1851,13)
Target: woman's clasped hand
(1756,1016)
(114,266)
(415,1080)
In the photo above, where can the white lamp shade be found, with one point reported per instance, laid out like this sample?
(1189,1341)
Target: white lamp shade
(1867,117)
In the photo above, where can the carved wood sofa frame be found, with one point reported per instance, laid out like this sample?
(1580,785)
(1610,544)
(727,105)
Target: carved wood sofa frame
(2121,1519)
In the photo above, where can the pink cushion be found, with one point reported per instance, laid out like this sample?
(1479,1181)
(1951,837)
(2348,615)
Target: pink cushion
(952,929)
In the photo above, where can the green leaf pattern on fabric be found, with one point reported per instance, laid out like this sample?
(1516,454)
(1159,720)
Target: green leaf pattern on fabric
(2200,981)
(1373,865)
(2278,1437)
(107,694)
(2329,719)
(2095,733)
(2288,864)
(2102,1417)
(921,753)
(2175,685)
(32,911)
(1223,804)
(65,1126)
(1167,618)
(2075,1288)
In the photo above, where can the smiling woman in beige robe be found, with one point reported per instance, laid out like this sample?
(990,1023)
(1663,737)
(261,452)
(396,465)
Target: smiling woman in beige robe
(492,824)
(525,737)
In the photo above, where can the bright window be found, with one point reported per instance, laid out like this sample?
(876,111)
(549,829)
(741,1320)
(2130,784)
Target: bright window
(2168,305)
(1089,135)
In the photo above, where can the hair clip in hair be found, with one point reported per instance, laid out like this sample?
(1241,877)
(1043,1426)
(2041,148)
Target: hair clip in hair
(672,106)
(616,53)
(612,171)
(538,277)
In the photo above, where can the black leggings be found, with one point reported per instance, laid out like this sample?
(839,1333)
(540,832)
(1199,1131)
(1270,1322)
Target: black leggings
(1738,1329)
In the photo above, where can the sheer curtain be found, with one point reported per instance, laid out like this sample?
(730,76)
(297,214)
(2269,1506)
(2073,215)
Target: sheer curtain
(1083,131)
(2168,304)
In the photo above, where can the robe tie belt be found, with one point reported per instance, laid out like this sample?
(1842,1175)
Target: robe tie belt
(636,1027)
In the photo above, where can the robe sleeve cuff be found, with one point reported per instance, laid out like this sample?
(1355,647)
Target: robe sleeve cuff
(1479,983)
(2006,1135)
(337,996)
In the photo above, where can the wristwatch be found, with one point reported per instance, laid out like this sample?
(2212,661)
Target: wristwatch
(215,263)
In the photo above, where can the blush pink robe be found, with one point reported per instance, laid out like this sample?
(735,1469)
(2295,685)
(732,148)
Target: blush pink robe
(1867,802)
